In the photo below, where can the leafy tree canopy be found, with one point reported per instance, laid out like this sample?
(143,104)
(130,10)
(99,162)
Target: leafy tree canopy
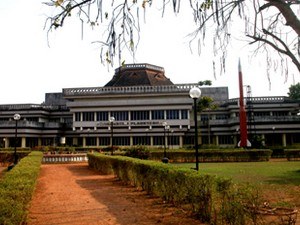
(205,103)
(294,91)
(267,25)
(205,83)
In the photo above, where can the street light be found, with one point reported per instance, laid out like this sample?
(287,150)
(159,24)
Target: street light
(17,117)
(165,159)
(195,93)
(111,120)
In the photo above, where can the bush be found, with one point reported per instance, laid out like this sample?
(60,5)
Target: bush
(140,152)
(8,156)
(215,155)
(292,154)
(213,200)
(17,187)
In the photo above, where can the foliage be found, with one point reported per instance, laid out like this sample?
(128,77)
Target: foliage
(269,25)
(8,156)
(234,155)
(140,152)
(205,82)
(257,141)
(292,154)
(205,103)
(294,91)
(210,198)
(16,189)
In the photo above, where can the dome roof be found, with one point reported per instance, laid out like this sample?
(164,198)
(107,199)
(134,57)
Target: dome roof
(139,75)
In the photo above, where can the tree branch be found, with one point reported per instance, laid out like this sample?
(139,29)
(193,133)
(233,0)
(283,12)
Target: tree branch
(284,51)
(289,15)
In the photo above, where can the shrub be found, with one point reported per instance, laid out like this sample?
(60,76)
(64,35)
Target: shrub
(292,154)
(213,200)
(16,189)
(8,156)
(140,152)
(215,155)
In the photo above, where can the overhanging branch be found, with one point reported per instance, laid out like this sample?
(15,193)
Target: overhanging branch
(285,50)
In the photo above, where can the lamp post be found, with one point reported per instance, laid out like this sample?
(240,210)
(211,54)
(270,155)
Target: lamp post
(195,93)
(17,117)
(273,128)
(165,159)
(111,121)
(172,140)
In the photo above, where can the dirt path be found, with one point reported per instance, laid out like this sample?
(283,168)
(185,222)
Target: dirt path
(74,194)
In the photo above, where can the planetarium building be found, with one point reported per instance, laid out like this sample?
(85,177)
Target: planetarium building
(141,106)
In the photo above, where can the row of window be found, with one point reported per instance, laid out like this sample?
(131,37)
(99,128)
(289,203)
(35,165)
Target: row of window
(125,141)
(134,115)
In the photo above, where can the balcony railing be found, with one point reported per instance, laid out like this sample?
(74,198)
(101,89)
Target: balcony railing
(12,107)
(255,100)
(179,88)
(33,124)
(140,66)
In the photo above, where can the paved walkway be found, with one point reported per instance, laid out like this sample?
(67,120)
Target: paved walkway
(74,194)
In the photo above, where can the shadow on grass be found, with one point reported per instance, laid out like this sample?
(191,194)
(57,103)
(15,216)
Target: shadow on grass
(289,178)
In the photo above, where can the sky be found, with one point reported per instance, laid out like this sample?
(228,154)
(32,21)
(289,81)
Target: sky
(32,65)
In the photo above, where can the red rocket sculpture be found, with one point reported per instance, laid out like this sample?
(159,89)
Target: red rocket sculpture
(243,118)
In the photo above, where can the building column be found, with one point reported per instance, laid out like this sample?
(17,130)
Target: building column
(6,142)
(284,140)
(180,141)
(84,142)
(217,140)
(39,141)
(97,142)
(23,142)
(151,141)
(131,141)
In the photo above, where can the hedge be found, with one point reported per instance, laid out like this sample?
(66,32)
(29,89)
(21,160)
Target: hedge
(235,155)
(8,156)
(17,187)
(292,154)
(213,200)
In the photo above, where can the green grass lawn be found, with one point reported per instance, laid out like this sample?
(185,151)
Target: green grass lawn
(279,181)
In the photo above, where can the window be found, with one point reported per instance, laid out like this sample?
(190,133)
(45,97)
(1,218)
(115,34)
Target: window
(103,141)
(204,117)
(172,114)
(225,139)
(157,114)
(121,141)
(173,140)
(120,115)
(140,115)
(184,114)
(158,140)
(141,140)
(102,116)
(280,113)
(221,117)
(91,141)
(77,116)
(88,116)
(261,114)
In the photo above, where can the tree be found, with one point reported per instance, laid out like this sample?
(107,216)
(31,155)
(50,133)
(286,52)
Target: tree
(294,91)
(269,25)
(205,82)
